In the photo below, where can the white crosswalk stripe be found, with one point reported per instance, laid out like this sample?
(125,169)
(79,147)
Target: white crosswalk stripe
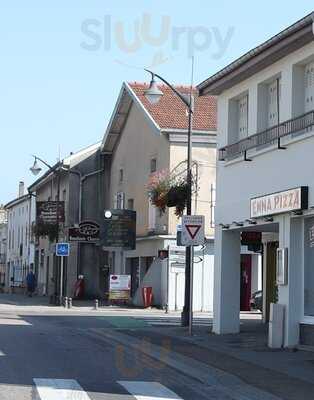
(149,391)
(59,389)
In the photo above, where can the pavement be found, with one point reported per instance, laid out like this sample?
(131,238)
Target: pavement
(50,353)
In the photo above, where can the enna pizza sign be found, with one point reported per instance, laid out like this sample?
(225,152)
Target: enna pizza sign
(280,202)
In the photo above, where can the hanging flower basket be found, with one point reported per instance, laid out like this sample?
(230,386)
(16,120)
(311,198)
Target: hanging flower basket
(46,230)
(165,191)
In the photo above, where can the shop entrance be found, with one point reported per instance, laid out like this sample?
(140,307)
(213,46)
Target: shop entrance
(245,282)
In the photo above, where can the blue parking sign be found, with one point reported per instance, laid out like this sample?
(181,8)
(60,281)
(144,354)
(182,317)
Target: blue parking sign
(62,249)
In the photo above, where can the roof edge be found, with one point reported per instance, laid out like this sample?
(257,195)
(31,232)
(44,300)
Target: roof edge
(210,85)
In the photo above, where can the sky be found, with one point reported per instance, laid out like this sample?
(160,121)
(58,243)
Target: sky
(63,63)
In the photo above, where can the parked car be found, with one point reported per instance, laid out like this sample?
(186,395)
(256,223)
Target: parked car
(257,300)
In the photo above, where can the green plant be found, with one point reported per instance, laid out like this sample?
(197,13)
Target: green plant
(165,191)
(42,229)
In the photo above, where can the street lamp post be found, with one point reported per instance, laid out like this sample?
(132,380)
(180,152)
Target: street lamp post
(153,95)
(35,170)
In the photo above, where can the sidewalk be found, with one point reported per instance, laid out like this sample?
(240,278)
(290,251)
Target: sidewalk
(237,360)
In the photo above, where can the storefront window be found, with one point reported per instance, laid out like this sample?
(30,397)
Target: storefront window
(309,267)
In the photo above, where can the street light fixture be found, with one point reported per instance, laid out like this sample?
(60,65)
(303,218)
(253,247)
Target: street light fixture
(35,169)
(153,95)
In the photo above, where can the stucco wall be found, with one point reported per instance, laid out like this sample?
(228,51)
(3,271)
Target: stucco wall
(271,170)
(139,143)
(205,156)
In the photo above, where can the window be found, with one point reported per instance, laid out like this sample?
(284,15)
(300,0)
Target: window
(119,201)
(151,216)
(243,117)
(64,195)
(153,165)
(121,175)
(131,204)
(309,87)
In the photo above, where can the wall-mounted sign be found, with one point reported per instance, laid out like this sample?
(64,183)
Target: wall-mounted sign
(47,211)
(87,231)
(120,229)
(280,202)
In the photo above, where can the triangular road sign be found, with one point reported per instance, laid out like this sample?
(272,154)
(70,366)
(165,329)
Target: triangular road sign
(193,230)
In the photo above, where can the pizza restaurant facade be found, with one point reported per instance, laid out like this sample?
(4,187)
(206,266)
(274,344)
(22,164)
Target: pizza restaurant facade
(265,180)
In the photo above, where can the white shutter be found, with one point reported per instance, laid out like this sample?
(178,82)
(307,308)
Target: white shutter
(120,200)
(272,111)
(151,216)
(243,117)
(309,87)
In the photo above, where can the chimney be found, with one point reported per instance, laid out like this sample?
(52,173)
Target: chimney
(21,189)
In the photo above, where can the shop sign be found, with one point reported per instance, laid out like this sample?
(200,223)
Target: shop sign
(119,287)
(87,231)
(249,238)
(276,203)
(47,212)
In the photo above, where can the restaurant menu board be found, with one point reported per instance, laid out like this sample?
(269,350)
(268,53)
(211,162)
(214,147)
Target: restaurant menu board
(119,287)
(120,230)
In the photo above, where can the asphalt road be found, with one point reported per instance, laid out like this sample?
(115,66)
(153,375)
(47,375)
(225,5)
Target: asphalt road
(52,356)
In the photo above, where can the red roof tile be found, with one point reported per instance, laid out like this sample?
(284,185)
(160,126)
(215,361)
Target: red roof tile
(170,112)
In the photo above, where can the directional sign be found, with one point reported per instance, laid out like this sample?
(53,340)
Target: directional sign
(193,230)
(62,249)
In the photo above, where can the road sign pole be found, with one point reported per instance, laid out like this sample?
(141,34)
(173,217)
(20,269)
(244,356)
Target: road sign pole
(191,291)
(61,280)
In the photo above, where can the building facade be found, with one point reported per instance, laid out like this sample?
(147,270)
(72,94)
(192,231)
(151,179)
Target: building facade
(20,239)
(142,139)
(264,178)
(77,182)
(3,244)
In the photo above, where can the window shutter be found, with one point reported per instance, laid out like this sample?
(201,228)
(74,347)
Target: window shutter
(151,217)
(273,88)
(309,87)
(243,117)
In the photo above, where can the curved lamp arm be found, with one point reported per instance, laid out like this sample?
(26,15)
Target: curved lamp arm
(188,103)
(44,162)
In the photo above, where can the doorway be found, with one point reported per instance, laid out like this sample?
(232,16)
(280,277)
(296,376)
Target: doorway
(245,282)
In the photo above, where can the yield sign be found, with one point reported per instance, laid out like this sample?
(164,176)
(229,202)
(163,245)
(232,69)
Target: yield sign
(193,232)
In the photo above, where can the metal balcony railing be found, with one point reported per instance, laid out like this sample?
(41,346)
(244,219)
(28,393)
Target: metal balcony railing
(269,136)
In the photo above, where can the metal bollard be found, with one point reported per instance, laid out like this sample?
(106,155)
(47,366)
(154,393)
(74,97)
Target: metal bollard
(66,302)
(70,302)
(96,304)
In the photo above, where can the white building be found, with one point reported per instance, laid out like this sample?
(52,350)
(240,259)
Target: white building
(264,177)
(3,244)
(20,244)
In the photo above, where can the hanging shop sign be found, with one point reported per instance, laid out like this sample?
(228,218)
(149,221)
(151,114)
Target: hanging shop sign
(119,229)
(277,203)
(49,212)
(87,231)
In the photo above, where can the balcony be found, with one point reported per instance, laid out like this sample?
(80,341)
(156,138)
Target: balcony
(268,137)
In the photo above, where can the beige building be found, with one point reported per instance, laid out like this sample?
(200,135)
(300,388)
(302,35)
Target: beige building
(142,138)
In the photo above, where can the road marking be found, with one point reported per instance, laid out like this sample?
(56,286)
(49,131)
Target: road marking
(149,391)
(60,389)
